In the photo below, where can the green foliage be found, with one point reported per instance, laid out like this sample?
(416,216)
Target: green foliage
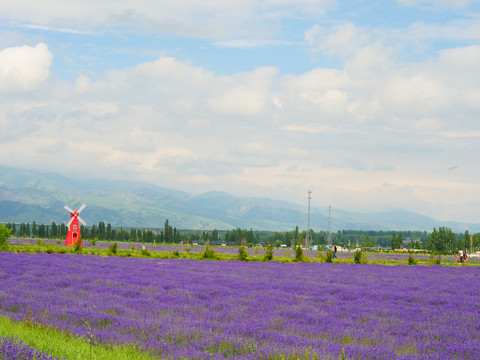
(411,260)
(209,254)
(435,260)
(329,256)
(94,240)
(77,246)
(397,241)
(4,236)
(268,256)
(443,241)
(113,249)
(242,253)
(321,256)
(358,257)
(299,254)
(145,251)
(176,253)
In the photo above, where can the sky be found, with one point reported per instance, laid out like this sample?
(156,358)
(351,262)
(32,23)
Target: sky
(372,105)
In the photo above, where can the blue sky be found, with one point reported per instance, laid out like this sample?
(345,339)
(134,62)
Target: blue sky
(374,105)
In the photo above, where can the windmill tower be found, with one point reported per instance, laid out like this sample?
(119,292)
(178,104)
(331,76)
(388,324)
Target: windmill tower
(73,234)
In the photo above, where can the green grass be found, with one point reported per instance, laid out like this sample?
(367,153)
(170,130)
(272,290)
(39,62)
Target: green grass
(59,344)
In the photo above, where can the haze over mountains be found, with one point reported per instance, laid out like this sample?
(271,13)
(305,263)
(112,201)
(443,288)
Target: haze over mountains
(27,196)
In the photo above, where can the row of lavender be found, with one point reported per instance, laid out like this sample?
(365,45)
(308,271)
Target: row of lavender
(227,250)
(215,310)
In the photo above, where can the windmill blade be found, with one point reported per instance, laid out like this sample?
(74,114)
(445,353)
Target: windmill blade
(70,222)
(81,220)
(68,209)
(81,208)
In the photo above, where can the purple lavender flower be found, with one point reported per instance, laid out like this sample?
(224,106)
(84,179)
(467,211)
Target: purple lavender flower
(12,349)
(234,310)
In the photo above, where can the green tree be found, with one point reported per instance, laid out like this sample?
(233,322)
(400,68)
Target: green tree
(215,235)
(466,241)
(288,239)
(442,241)
(167,232)
(63,230)
(108,233)
(397,241)
(299,253)
(42,231)
(54,230)
(101,230)
(34,229)
(4,236)
(295,236)
(368,241)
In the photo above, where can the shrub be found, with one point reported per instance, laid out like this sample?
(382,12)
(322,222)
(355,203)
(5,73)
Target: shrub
(4,236)
(358,257)
(435,260)
(176,253)
(209,254)
(411,260)
(242,254)
(187,248)
(112,249)
(145,251)
(329,256)
(94,240)
(299,253)
(268,256)
(321,256)
(77,246)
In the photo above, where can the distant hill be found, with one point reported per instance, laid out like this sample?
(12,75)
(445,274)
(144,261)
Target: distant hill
(27,196)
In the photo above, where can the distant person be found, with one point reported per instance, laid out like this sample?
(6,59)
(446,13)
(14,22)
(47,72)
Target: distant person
(460,255)
(334,248)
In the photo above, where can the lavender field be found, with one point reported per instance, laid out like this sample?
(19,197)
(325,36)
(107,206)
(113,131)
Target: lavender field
(191,309)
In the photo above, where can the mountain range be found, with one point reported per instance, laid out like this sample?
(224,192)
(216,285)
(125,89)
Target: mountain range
(27,196)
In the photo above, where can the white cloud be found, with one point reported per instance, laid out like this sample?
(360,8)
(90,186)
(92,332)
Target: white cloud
(442,3)
(244,94)
(23,68)
(341,40)
(262,132)
(215,19)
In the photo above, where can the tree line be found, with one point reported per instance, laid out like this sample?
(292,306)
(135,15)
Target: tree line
(441,240)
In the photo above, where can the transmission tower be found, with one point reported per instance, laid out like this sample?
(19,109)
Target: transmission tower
(308,244)
(329,234)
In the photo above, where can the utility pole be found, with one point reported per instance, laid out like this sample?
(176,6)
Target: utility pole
(308,244)
(329,234)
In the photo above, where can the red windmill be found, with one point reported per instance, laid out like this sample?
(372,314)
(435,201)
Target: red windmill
(73,234)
